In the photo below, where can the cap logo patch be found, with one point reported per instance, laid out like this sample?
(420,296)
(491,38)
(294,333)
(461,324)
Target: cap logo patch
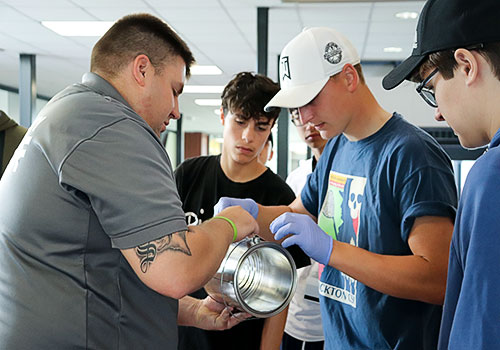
(285,68)
(333,53)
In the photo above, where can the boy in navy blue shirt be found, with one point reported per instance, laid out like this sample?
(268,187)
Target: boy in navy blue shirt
(456,62)
(377,211)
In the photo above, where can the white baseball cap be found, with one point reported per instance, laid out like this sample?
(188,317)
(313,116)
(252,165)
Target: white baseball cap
(307,62)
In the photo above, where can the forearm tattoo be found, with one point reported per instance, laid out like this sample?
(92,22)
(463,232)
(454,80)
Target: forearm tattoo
(148,252)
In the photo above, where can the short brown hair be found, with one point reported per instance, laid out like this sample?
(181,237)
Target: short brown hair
(248,93)
(445,62)
(360,73)
(138,34)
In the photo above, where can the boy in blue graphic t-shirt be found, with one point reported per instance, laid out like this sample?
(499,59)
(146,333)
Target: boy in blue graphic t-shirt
(377,211)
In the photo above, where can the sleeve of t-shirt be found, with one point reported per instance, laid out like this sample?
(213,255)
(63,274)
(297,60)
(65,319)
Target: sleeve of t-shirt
(179,176)
(315,187)
(127,177)
(428,189)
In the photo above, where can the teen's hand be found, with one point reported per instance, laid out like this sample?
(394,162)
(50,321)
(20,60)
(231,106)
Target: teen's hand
(305,233)
(247,204)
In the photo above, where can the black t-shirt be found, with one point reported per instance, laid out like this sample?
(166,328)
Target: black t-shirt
(200,183)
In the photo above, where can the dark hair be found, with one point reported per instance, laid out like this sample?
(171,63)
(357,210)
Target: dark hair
(247,93)
(360,73)
(445,62)
(270,139)
(138,34)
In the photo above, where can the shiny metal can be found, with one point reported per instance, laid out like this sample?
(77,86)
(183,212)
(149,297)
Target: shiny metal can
(255,276)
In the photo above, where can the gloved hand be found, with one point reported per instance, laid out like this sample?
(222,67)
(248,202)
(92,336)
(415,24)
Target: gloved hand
(247,204)
(305,233)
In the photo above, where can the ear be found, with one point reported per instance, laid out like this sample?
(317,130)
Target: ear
(468,65)
(351,77)
(222,116)
(141,69)
(270,154)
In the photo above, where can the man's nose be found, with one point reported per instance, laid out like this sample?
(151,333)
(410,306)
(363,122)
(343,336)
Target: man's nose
(305,114)
(176,114)
(438,116)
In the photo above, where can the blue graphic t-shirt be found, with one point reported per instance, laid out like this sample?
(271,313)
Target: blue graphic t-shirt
(471,309)
(368,194)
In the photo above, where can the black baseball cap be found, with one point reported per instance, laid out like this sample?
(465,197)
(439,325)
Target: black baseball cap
(448,24)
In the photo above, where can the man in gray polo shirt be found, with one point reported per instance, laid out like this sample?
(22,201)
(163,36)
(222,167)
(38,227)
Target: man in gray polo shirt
(94,249)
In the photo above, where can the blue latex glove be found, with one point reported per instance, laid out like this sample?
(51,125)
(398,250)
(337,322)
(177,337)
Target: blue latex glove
(305,233)
(247,204)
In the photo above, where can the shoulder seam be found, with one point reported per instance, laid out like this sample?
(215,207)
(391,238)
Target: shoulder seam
(73,149)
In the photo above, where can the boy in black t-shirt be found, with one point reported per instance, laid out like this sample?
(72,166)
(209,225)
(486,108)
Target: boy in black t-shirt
(236,172)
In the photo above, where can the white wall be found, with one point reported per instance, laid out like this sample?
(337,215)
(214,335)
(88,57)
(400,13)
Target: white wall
(403,99)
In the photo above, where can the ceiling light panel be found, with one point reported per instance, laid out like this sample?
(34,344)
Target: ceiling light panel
(393,49)
(203,89)
(205,70)
(208,101)
(407,15)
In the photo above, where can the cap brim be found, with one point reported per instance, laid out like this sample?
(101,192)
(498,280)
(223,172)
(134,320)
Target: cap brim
(296,96)
(401,72)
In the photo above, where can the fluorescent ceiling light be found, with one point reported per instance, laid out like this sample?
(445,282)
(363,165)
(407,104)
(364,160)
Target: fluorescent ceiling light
(205,70)
(208,101)
(392,49)
(407,15)
(200,89)
(78,28)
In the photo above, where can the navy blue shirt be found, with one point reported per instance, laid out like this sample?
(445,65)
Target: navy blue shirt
(368,193)
(471,315)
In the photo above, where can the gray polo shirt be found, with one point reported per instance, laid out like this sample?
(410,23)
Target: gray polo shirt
(90,178)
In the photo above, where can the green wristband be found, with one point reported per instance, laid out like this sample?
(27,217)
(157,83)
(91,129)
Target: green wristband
(232,224)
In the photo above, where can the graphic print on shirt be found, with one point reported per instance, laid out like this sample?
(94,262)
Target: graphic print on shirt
(193,219)
(340,218)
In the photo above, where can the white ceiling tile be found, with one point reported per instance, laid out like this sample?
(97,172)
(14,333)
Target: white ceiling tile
(335,14)
(283,15)
(187,14)
(107,3)
(86,41)
(11,44)
(255,3)
(193,4)
(52,3)
(8,13)
(115,13)
(387,12)
(218,29)
(243,14)
(352,7)
(15,28)
(401,5)
(47,13)
(392,27)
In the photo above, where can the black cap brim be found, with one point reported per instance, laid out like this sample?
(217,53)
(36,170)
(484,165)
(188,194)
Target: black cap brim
(401,72)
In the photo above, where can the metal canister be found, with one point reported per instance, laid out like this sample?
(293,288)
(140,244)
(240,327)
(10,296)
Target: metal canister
(255,276)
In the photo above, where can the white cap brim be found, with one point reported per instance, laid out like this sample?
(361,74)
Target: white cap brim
(296,96)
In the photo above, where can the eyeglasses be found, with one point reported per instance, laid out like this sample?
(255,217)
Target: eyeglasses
(426,93)
(295,114)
